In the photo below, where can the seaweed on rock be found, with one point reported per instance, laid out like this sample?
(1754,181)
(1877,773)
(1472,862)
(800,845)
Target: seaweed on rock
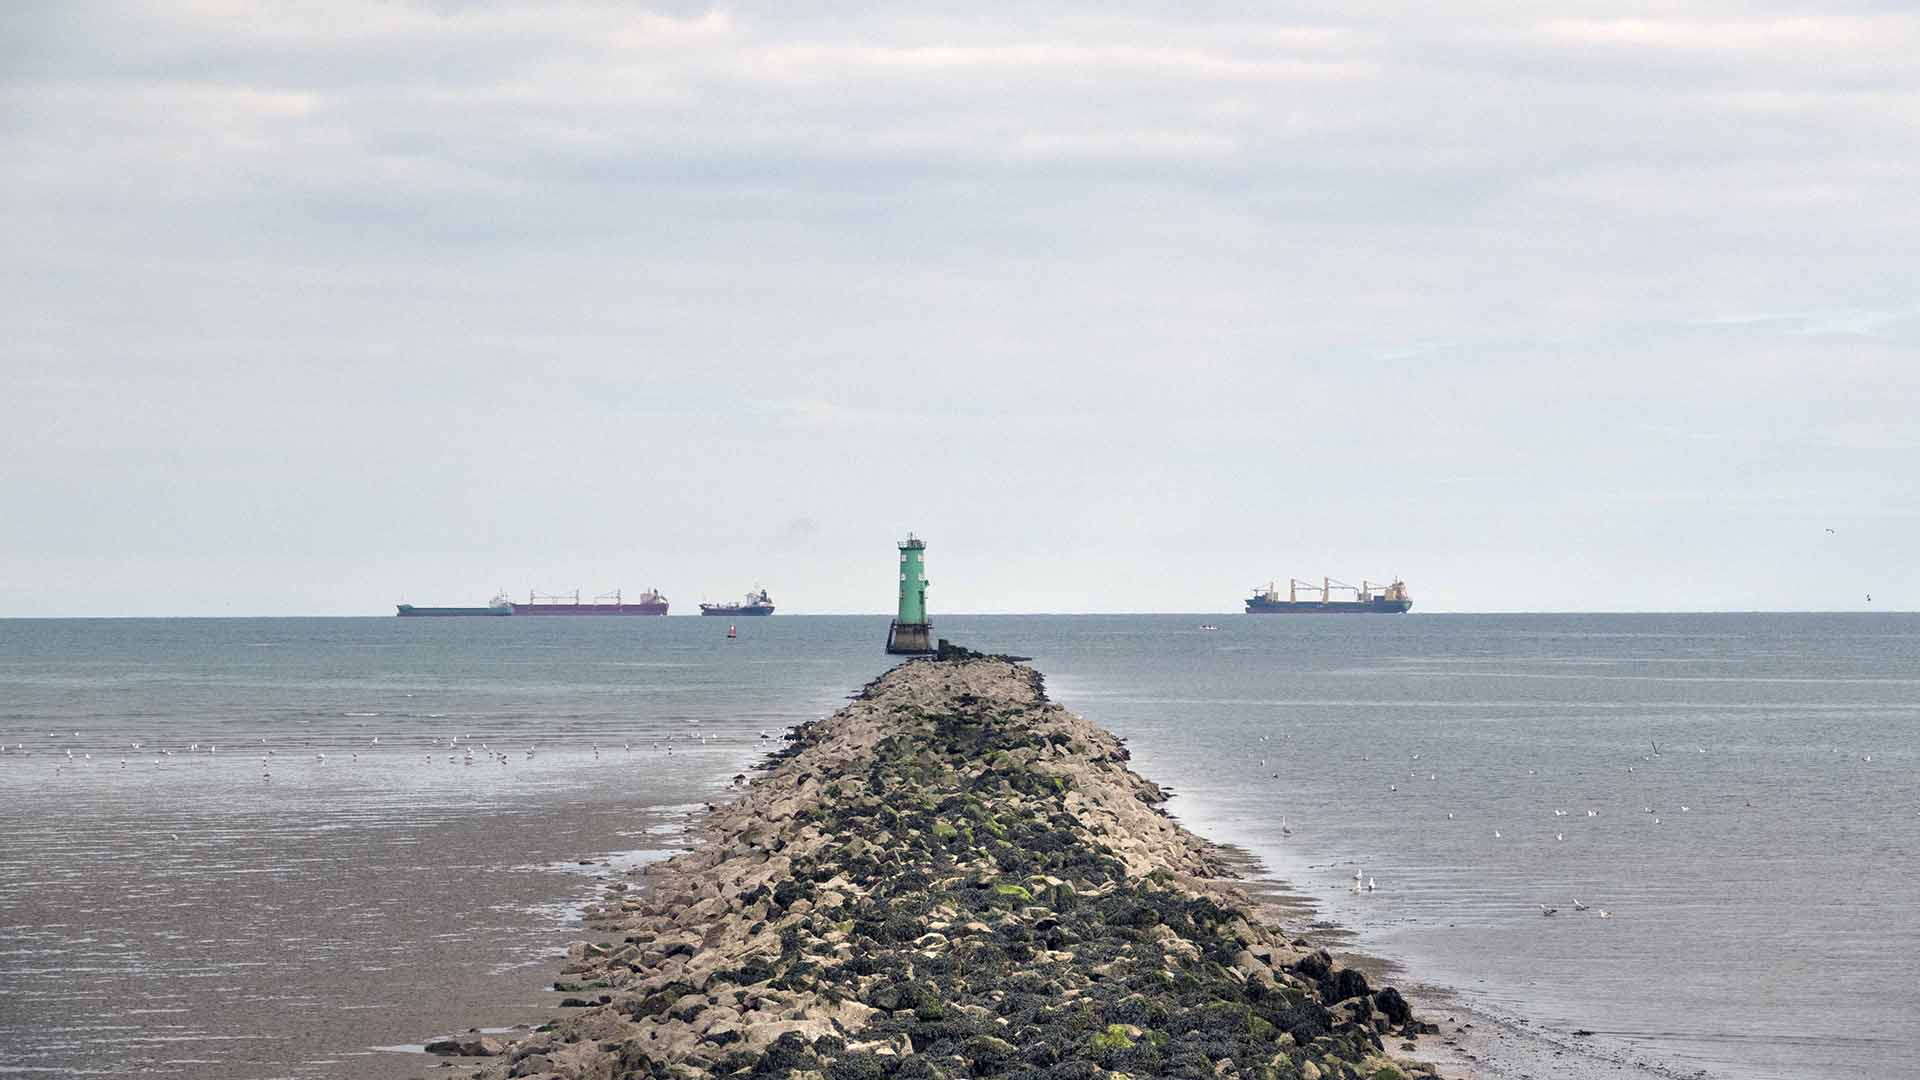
(953,876)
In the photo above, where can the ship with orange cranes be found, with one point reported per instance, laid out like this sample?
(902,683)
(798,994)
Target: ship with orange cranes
(1307,598)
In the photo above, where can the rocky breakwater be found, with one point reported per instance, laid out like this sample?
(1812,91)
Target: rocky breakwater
(953,877)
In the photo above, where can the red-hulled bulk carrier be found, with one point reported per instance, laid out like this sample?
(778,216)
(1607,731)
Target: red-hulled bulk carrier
(649,603)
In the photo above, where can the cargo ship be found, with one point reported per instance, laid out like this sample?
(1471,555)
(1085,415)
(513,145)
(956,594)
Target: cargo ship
(1366,599)
(649,603)
(757,603)
(498,606)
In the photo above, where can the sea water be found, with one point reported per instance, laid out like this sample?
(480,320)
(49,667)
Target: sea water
(260,889)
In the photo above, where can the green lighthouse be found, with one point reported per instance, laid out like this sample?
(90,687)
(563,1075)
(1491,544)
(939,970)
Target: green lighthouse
(911,632)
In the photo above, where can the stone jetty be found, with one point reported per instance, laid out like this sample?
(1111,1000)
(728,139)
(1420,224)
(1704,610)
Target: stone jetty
(952,877)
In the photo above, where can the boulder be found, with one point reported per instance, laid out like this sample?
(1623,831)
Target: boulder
(1389,1001)
(1343,984)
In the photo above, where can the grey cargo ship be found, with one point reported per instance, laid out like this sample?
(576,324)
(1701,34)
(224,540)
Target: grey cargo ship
(1363,599)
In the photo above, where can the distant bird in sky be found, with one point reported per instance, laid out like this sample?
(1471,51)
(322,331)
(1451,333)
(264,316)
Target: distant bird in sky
(1829,530)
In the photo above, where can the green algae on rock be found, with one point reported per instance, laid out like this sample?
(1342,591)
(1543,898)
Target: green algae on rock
(954,877)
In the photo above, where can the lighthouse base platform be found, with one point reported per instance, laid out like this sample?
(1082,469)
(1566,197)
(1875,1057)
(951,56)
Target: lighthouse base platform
(910,639)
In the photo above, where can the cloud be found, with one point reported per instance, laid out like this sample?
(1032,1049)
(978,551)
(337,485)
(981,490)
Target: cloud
(1206,284)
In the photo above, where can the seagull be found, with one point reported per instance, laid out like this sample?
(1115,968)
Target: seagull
(1578,906)
(1593,813)
(1605,914)
(1449,815)
(1370,885)
(1285,829)
(1545,910)
(1559,836)
(1496,834)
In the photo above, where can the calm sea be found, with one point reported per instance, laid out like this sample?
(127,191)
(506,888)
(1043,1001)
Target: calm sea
(230,876)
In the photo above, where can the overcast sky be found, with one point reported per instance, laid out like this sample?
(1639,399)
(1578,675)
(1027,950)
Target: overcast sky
(312,308)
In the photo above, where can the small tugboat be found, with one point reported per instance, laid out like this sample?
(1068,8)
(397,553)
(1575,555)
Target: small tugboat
(756,603)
